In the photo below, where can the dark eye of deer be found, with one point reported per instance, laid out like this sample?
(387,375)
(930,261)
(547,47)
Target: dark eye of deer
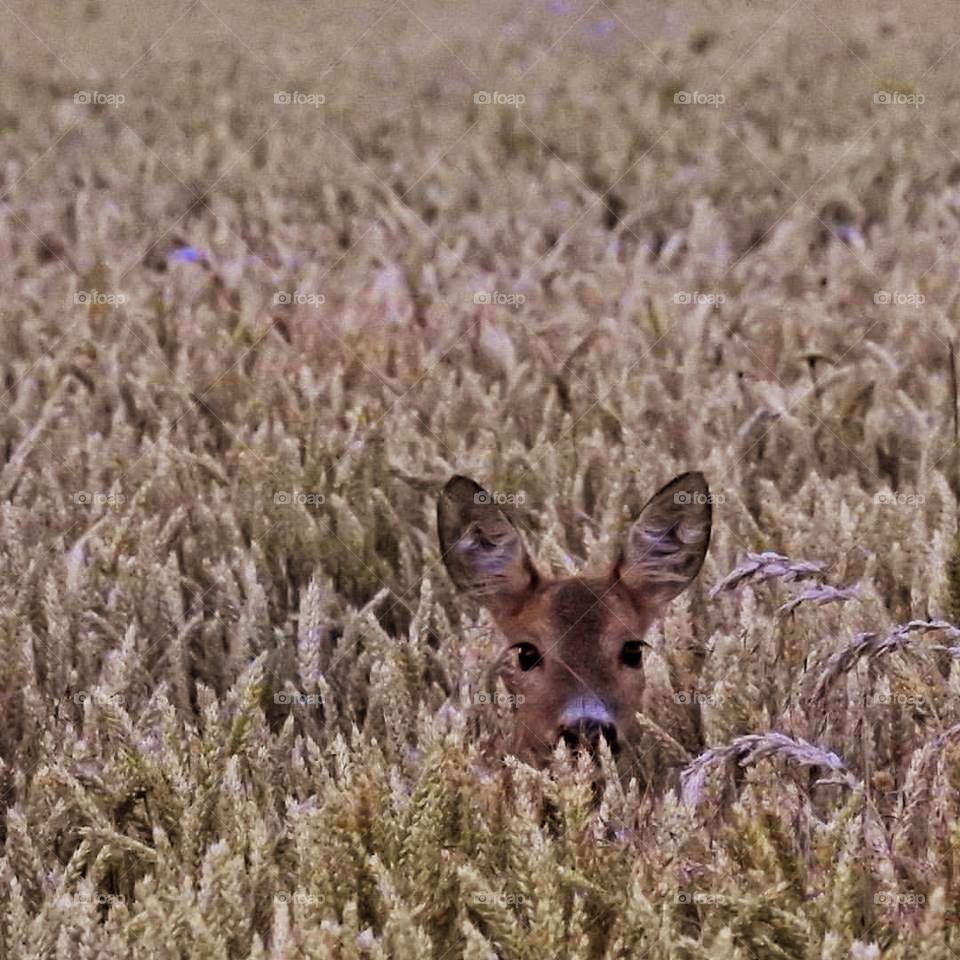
(528,656)
(632,653)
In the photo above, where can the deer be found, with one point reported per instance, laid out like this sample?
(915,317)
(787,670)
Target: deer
(573,647)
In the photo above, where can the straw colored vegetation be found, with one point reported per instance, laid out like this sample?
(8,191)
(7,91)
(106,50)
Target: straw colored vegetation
(245,343)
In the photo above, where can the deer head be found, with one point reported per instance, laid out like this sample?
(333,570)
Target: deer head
(573,647)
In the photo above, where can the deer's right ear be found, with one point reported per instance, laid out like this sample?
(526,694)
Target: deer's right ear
(666,546)
(482,550)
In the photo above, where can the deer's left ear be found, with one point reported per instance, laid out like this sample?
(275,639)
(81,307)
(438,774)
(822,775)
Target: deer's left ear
(482,550)
(668,542)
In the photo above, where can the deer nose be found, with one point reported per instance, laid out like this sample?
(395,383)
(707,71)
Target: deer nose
(584,721)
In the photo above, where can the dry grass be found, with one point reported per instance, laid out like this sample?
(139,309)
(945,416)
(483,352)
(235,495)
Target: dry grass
(238,695)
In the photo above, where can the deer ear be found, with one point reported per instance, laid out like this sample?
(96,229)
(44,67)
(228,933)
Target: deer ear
(482,550)
(668,541)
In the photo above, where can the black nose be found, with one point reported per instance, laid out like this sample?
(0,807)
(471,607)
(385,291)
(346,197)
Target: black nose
(586,734)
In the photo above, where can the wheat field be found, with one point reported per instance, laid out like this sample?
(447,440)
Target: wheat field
(272,274)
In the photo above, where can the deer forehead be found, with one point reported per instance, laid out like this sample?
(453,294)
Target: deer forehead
(577,614)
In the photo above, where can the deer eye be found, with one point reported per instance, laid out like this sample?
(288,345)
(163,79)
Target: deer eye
(631,655)
(528,656)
